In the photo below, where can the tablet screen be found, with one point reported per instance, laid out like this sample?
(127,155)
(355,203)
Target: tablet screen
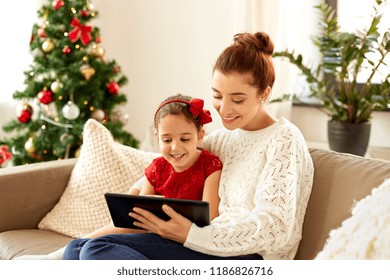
(120,205)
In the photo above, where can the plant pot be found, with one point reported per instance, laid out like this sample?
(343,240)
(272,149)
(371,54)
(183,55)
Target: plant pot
(352,138)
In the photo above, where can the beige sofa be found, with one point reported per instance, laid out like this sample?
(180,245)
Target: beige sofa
(27,193)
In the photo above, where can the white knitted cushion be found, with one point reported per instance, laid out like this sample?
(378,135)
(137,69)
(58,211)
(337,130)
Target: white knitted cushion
(366,234)
(103,166)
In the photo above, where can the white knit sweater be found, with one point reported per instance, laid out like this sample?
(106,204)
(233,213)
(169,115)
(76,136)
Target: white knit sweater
(265,186)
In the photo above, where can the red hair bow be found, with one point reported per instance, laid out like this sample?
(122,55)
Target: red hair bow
(196,108)
(80,31)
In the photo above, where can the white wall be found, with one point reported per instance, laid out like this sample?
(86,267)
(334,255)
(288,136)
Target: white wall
(14,52)
(165,47)
(169,46)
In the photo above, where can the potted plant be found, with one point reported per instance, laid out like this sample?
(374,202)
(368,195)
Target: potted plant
(334,82)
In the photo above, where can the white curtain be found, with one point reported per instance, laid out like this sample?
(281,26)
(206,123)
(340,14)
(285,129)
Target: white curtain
(291,25)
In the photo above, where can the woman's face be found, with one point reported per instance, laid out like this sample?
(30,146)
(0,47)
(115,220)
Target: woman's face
(238,103)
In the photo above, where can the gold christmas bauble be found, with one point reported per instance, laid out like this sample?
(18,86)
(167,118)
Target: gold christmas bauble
(56,86)
(29,146)
(87,71)
(48,45)
(77,152)
(97,51)
(98,115)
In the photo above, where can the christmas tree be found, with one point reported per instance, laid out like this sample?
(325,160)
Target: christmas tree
(68,82)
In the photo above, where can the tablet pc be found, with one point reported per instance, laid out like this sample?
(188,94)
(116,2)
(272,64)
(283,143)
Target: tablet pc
(120,205)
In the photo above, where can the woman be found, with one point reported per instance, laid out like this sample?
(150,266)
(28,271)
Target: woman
(265,183)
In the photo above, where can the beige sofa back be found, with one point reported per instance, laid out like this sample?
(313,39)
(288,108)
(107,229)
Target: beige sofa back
(340,180)
(29,192)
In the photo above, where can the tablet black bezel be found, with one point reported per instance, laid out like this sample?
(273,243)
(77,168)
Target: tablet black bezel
(120,205)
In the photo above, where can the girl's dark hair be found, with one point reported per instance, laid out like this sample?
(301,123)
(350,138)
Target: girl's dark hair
(249,54)
(176,108)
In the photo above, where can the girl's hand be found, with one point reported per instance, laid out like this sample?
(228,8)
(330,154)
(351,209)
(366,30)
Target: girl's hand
(175,229)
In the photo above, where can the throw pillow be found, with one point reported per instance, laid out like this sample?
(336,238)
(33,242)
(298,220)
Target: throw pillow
(103,166)
(365,235)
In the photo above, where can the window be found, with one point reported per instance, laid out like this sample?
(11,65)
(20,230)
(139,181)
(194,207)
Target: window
(358,18)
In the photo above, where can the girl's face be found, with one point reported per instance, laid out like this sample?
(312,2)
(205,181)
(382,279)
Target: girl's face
(178,139)
(238,103)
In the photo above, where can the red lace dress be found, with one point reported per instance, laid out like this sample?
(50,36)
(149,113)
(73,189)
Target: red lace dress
(187,184)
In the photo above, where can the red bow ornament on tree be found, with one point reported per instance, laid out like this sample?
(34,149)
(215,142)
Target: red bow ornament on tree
(80,31)
(4,155)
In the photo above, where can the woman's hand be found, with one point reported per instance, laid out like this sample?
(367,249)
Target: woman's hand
(175,229)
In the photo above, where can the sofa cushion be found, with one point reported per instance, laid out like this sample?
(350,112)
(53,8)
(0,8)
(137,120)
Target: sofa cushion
(339,181)
(103,166)
(16,243)
(366,234)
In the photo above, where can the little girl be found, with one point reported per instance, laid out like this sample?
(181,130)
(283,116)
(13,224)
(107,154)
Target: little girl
(184,170)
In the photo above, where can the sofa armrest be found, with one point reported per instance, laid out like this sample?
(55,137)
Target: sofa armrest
(29,192)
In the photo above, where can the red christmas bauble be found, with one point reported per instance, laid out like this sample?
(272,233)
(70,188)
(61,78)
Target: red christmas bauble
(113,88)
(57,4)
(24,113)
(84,13)
(24,117)
(45,96)
(66,50)
(41,32)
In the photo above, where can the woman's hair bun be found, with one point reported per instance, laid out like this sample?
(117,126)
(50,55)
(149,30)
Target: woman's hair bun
(260,41)
(265,43)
